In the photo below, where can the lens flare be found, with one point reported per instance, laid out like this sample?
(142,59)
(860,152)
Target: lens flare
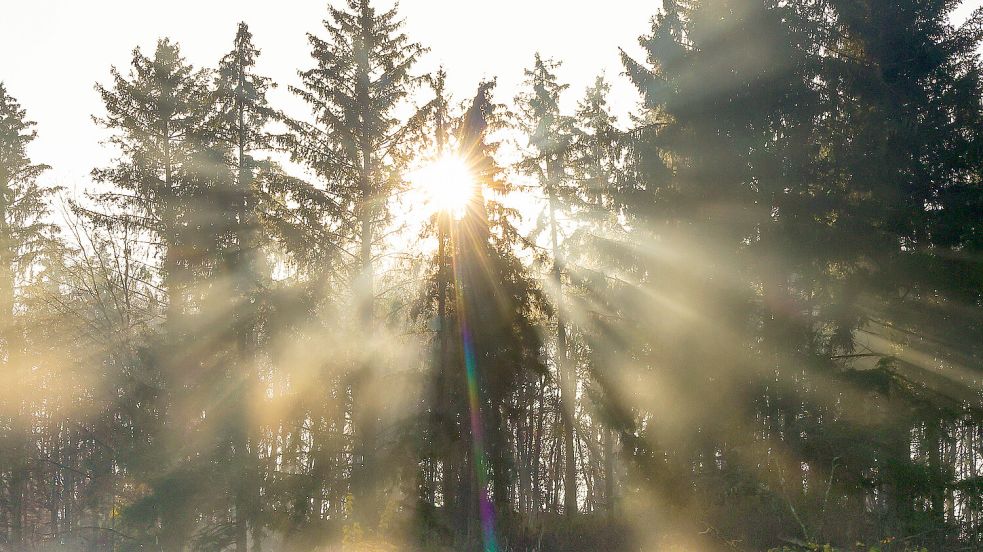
(486,509)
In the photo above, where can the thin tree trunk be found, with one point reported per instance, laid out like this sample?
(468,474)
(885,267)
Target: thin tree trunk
(567,377)
(243,348)
(365,414)
(610,480)
(537,455)
(937,480)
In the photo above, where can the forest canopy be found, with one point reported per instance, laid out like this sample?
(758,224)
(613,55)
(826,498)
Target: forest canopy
(749,316)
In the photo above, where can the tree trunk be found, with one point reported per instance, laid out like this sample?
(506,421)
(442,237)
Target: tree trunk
(364,399)
(609,476)
(567,377)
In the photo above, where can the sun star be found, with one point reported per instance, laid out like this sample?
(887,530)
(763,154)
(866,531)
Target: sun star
(446,185)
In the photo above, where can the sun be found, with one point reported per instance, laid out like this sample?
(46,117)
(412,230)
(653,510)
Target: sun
(445,185)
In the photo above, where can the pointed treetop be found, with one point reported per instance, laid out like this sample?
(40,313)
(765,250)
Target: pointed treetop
(16,132)
(240,95)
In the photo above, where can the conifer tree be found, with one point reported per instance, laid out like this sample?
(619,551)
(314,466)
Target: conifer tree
(794,168)
(720,164)
(242,114)
(595,205)
(25,233)
(550,134)
(169,183)
(156,114)
(597,152)
(908,83)
(357,145)
(904,90)
(437,134)
(499,308)
(490,318)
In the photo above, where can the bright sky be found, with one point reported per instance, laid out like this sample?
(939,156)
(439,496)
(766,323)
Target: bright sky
(52,52)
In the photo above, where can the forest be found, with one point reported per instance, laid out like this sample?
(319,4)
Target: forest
(751,318)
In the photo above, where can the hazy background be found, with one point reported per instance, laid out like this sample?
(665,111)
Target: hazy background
(52,52)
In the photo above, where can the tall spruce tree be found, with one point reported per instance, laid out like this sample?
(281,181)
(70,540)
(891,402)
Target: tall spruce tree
(24,235)
(595,205)
(550,135)
(357,145)
(498,309)
(169,183)
(785,138)
(437,434)
(156,115)
(242,115)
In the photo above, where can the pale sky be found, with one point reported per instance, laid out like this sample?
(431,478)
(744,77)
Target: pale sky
(53,51)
